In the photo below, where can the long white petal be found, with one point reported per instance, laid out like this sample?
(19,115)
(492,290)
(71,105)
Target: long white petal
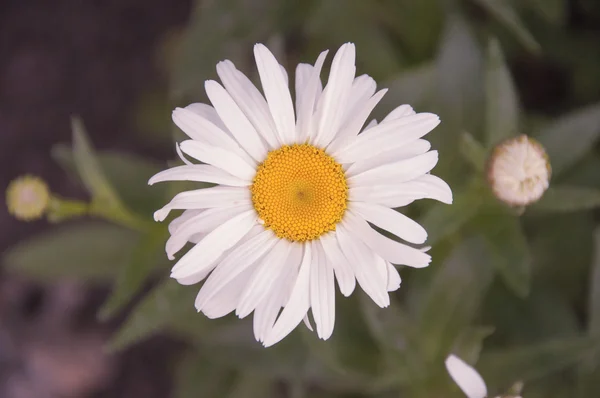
(361,258)
(394,279)
(205,199)
(277,93)
(235,262)
(178,221)
(341,265)
(355,122)
(235,120)
(389,135)
(392,221)
(218,157)
(262,280)
(334,100)
(225,300)
(297,306)
(393,173)
(199,172)
(400,111)
(466,377)
(208,250)
(390,250)
(307,98)
(322,292)
(267,311)
(207,112)
(410,150)
(204,222)
(363,88)
(250,101)
(202,130)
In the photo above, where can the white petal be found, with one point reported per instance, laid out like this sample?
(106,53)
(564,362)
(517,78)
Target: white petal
(363,88)
(333,102)
(306,321)
(410,150)
(277,93)
(250,101)
(234,263)
(401,111)
(390,250)
(371,124)
(235,120)
(392,221)
(397,172)
(355,122)
(361,259)
(466,377)
(205,199)
(218,157)
(297,306)
(308,89)
(205,253)
(198,172)
(267,311)
(202,130)
(263,279)
(389,135)
(207,112)
(394,279)
(341,265)
(181,155)
(322,292)
(204,222)
(178,221)
(225,300)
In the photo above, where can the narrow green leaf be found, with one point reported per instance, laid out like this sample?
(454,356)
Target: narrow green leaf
(163,305)
(89,168)
(503,367)
(502,103)
(127,173)
(559,199)
(146,255)
(453,298)
(470,342)
(509,251)
(502,11)
(445,220)
(552,11)
(570,137)
(473,151)
(413,86)
(86,251)
(594,300)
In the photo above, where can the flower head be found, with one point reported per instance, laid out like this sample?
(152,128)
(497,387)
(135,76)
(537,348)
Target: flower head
(27,198)
(297,186)
(519,171)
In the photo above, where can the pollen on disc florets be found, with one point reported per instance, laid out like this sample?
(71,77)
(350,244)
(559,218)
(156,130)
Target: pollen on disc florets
(300,192)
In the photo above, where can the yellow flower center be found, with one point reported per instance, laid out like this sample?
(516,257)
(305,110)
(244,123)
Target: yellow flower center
(299,192)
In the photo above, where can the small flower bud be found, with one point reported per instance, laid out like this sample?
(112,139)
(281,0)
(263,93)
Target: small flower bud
(27,198)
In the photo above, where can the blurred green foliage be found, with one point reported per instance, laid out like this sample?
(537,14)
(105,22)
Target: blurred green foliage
(517,292)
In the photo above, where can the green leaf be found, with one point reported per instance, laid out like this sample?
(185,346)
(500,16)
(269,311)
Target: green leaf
(127,173)
(163,305)
(570,137)
(594,300)
(453,298)
(506,15)
(89,169)
(146,255)
(552,11)
(473,151)
(502,103)
(567,199)
(86,251)
(502,367)
(413,86)
(470,342)
(509,251)
(443,221)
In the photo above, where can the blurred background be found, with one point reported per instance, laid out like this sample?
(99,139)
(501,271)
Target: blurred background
(86,93)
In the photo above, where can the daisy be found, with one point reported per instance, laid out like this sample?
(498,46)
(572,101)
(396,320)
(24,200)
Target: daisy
(296,189)
(519,171)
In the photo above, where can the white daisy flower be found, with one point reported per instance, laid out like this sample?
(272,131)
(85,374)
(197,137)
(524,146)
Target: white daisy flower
(519,171)
(296,191)
(468,379)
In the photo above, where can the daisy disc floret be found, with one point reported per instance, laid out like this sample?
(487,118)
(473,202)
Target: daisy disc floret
(297,185)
